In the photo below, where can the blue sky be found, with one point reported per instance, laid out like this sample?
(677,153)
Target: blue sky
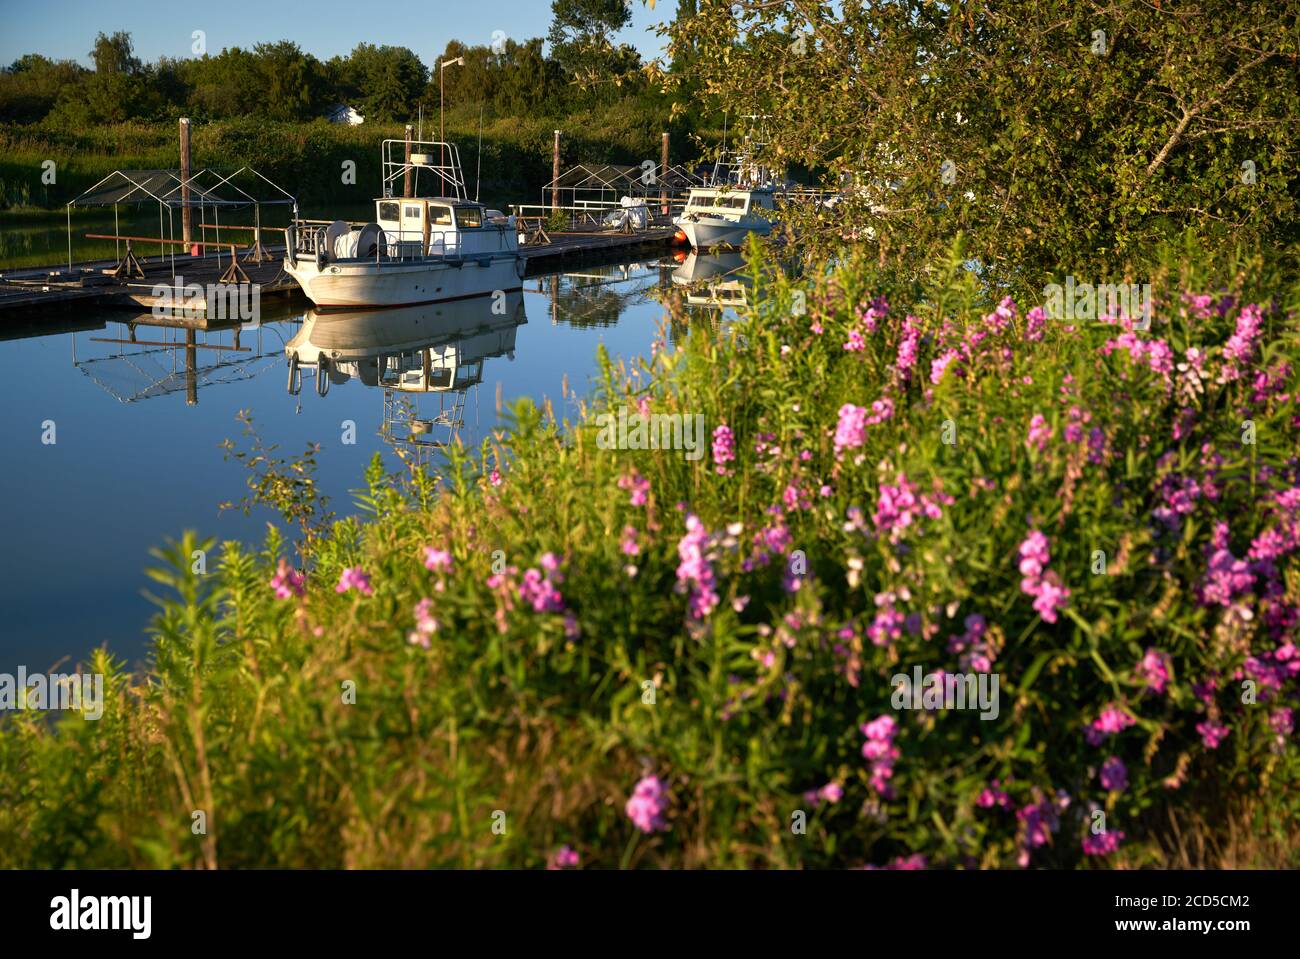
(65,29)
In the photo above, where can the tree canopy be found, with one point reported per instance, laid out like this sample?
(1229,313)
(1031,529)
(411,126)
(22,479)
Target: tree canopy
(1048,132)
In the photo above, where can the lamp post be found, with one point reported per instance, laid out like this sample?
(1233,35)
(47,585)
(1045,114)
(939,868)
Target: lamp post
(442,137)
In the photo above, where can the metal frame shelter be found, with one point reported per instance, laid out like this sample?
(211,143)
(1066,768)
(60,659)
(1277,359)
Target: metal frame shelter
(206,190)
(605,184)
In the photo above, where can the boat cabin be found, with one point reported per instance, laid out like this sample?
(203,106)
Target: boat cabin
(441,226)
(729,203)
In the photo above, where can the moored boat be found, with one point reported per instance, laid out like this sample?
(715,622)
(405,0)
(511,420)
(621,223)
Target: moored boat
(418,249)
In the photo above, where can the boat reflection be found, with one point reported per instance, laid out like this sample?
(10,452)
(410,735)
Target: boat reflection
(717,279)
(426,356)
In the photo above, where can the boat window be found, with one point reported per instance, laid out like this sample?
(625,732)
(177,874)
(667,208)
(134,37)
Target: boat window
(439,215)
(389,211)
(730,202)
(469,217)
(412,211)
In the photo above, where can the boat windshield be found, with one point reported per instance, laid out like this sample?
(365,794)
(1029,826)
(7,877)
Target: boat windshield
(469,217)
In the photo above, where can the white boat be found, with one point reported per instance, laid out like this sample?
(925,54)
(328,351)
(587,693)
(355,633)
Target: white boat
(739,199)
(717,216)
(418,249)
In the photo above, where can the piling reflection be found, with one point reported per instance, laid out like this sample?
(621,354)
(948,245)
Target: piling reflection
(425,359)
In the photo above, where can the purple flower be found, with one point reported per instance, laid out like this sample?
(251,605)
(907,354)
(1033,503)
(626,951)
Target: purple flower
(1102,844)
(354,577)
(287,581)
(1114,775)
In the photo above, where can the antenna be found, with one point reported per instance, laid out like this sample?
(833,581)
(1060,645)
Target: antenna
(478,173)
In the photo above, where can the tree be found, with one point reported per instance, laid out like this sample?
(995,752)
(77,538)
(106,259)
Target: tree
(579,38)
(112,92)
(1053,134)
(386,81)
(292,81)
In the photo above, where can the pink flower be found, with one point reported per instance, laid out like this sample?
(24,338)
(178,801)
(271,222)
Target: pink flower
(855,342)
(1112,720)
(940,364)
(287,581)
(1039,433)
(437,559)
(629,544)
(638,485)
(851,430)
(646,805)
(1035,320)
(880,750)
(694,573)
(724,448)
(425,624)
(1154,668)
(1049,595)
(564,858)
(495,477)
(1212,733)
(354,577)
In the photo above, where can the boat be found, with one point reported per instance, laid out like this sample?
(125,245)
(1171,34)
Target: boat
(740,198)
(420,248)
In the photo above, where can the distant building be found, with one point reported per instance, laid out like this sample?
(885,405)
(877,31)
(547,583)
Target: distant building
(342,113)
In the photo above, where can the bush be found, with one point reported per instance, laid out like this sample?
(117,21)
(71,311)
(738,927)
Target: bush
(658,660)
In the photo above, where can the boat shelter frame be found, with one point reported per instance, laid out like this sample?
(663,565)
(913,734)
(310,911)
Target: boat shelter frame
(204,190)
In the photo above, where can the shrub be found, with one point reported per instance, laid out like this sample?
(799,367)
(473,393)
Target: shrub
(553,649)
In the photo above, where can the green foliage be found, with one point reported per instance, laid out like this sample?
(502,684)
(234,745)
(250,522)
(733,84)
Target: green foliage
(315,733)
(1058,136)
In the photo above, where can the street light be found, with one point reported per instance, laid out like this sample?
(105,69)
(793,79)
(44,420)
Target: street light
(442,137)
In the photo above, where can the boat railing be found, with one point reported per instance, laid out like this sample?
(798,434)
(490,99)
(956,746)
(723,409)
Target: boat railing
(308,239)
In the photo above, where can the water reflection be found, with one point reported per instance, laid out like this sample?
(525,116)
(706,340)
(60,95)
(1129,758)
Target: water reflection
(425,359)
(713,279)
(126,475)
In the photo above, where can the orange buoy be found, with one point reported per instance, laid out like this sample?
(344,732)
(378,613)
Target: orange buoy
(679,236)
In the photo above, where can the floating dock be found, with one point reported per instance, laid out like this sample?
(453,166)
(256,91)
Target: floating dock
(28,289)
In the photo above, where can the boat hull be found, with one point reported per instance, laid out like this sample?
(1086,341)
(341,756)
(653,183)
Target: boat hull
(705,232)
(343,284)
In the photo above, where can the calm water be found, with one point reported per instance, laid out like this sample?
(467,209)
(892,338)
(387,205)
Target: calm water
(137,427)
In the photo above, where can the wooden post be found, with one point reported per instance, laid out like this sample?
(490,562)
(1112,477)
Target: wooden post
(663,171)
(186,221)
(191,370)
(555,173)
(406,170)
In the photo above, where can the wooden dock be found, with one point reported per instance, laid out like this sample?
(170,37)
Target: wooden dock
(28,290)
